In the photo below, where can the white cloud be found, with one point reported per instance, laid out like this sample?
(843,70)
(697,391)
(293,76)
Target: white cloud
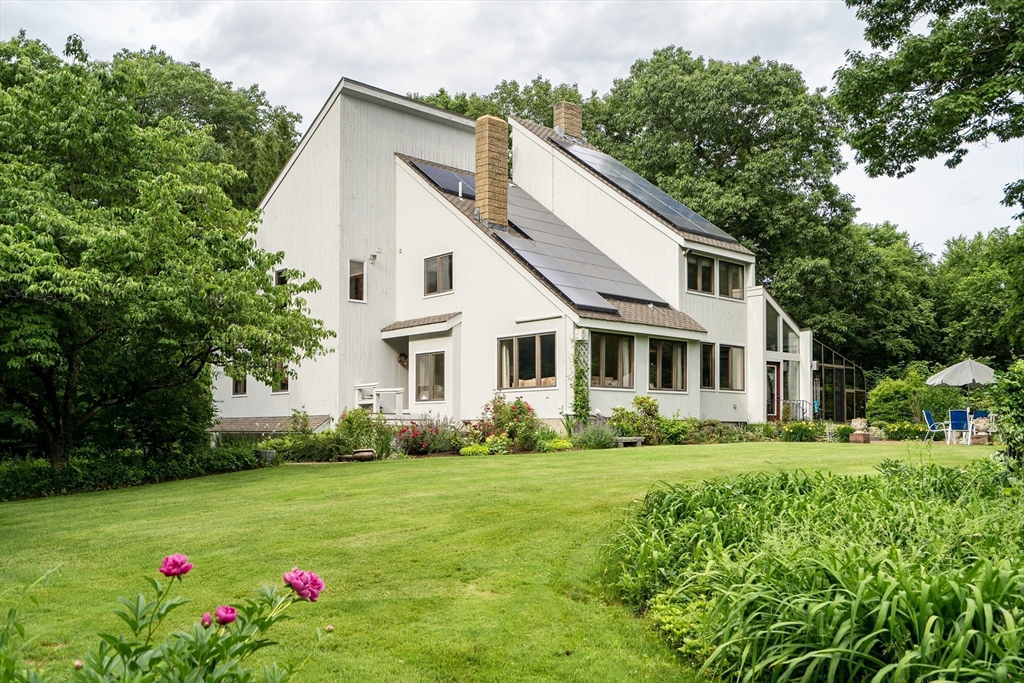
(297,51)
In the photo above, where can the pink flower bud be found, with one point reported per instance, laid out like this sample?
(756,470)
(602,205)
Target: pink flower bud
(79,664)
(206,620)
(330,628)
(175,565)
(225,614)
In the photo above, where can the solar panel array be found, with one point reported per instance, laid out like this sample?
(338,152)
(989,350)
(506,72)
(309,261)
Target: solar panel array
(449,181)
(646,193)
(574,266)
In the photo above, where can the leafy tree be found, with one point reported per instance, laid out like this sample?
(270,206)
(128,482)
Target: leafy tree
(926,93)
(865,291)
(533,101)
(972,300)
(125,269)
(748,146)
(250,134)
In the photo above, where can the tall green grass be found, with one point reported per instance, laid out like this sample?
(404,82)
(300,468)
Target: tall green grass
(913,575)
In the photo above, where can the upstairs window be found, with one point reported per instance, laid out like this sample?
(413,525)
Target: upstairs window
(611,361)
(430,376)
(238,387)
(667,365)
(771,327)
(281,385)
(730,375)
(279,278)
(437,274)
(700,274)
(525,362)
(790,339)
(730,280)
(356,281)
(707,366)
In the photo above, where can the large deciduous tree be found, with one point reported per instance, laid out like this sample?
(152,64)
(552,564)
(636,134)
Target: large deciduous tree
(125,269)
(748,146)
(944,74)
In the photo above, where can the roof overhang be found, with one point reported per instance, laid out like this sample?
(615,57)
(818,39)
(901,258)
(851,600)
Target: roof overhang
(602,325)
(438,324)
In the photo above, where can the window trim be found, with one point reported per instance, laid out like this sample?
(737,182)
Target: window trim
(430,372)
(744,368)
(622,366)
(363,275)
(245,387)
(714,276)
(743,285)
(682,358)
(515,360)
(284,386)
(438,257)
(714,366)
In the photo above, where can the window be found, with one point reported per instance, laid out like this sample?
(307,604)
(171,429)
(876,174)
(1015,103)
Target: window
(730,280)
(611,361)
(281,385)
(437,274)
(771,327)
(238,387)
(730,368)
(707,366)
(525,362)
(668,365)
(430,376)
(279,278)
(790,339)
(699,274)
(356,281)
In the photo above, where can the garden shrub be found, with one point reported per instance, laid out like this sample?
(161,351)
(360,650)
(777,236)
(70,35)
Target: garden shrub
(356,429)
(594,437)
(913,575)
(889,402)
(498,444)
(800,431)
(515,419)
(905,431)
(1008,396)
(676,431)
(644,420)
(555,445)
(90,470)
(474,449)
(843,433)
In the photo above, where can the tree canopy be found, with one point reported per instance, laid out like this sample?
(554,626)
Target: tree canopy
(125,268)
(533,101)
(928,93)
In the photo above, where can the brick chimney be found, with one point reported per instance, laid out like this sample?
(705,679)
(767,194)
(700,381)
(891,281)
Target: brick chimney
(492,169)
(569,119)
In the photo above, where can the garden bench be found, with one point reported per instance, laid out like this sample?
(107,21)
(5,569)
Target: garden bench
(623,441)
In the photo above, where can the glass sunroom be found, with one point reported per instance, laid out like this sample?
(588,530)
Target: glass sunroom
(839,388)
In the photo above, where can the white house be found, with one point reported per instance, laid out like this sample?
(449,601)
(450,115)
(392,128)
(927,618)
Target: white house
(445,282)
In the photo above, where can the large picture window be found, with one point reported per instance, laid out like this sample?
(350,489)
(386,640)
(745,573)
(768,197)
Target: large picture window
(700,274)
(437,274)
(730,280)
(356,281)
(707,366)
(790,339)
(730,368)
(667,365)
(525,362)
(430,376)
(611,361)
(771,327)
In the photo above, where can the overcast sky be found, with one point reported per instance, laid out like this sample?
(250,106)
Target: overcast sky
(297,51)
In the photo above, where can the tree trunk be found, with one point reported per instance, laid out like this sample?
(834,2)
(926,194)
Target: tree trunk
(58,452)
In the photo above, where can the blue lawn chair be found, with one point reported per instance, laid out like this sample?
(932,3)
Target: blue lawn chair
(933,426)
(978,414)
(958,422)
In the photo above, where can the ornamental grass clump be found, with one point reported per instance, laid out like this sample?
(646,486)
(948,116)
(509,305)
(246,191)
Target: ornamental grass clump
(913,575)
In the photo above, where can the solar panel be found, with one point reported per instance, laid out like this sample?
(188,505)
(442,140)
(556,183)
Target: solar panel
(448,181)
(669,208)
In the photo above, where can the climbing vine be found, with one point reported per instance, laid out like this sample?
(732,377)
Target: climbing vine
(581,380)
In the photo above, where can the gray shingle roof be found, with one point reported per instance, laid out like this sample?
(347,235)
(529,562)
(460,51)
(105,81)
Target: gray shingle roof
(416,322)
(265,425)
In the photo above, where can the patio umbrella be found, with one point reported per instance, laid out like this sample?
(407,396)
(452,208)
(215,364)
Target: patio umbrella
(969,373)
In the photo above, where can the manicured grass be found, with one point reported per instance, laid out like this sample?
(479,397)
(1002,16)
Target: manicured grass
(441,569)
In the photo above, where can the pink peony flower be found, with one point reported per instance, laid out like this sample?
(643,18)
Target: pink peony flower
(206,620)
(306,584)
(175,565)
(225,614)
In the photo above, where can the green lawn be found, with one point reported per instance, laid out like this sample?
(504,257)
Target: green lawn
(441,569)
